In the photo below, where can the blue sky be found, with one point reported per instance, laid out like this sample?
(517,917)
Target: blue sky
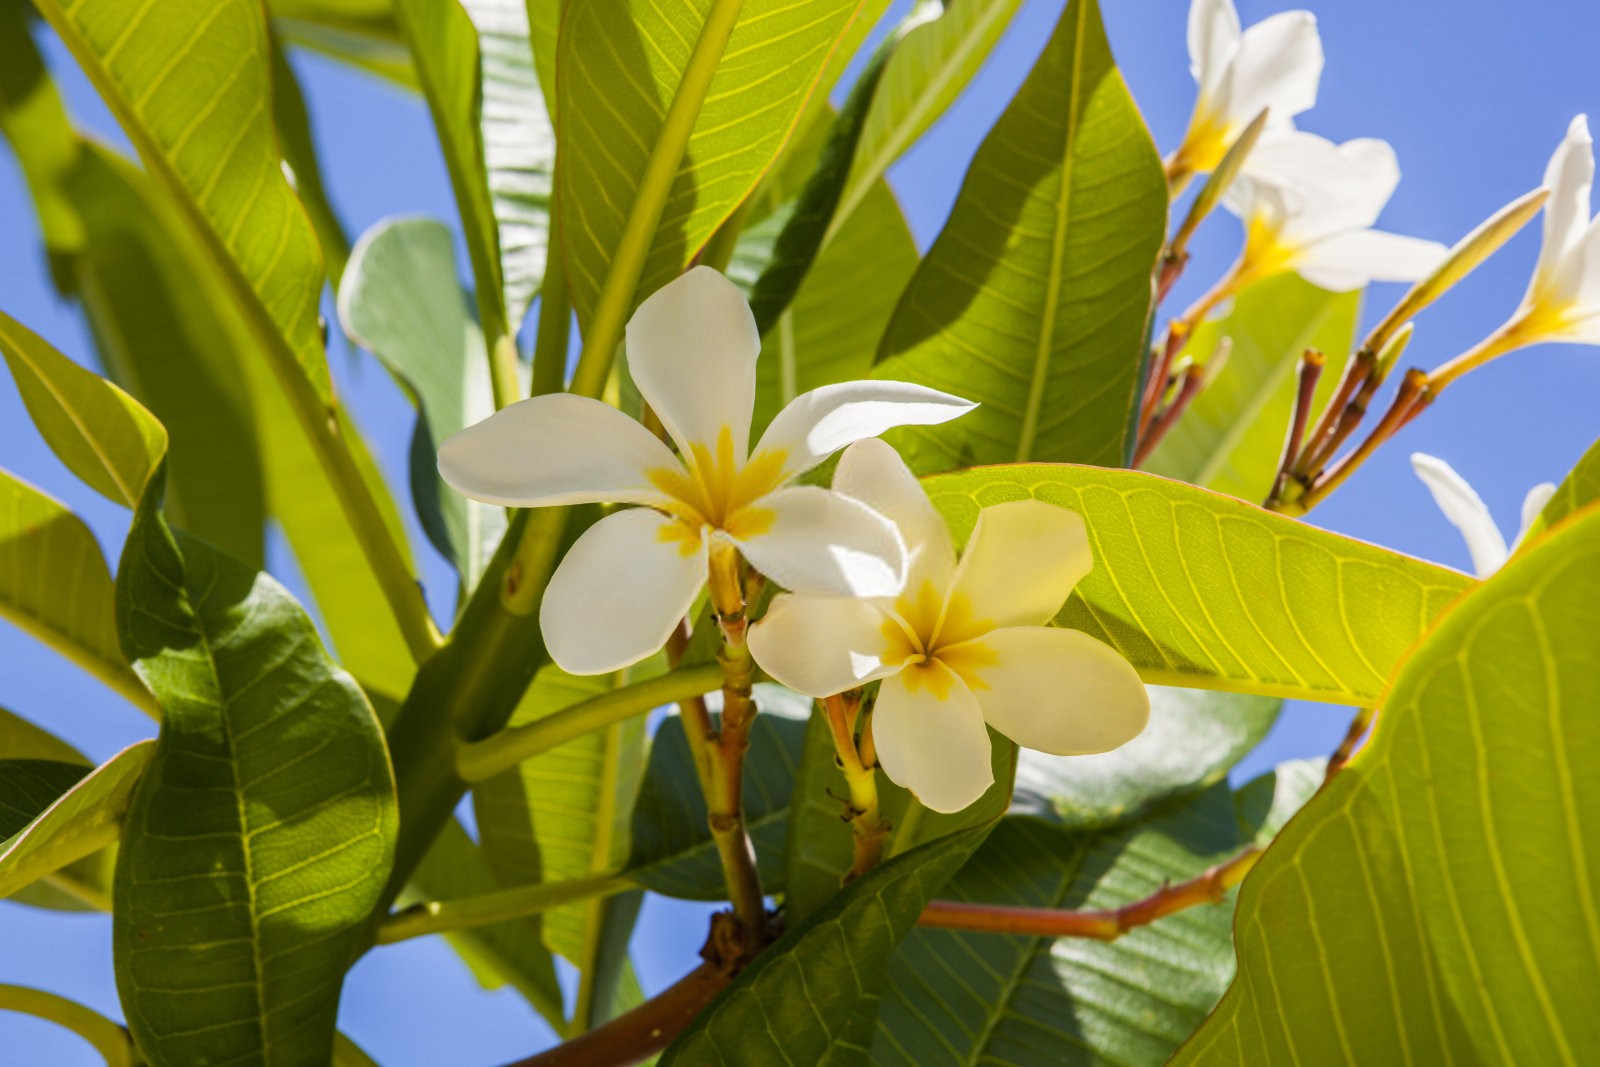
(1473,95)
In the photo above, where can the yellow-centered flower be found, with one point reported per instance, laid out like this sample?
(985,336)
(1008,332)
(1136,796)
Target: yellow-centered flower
(1563,299)
(966,643)
(632,576)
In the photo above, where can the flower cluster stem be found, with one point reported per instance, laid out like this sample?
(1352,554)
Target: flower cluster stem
(1101,925)
(867,827)
(1359,725)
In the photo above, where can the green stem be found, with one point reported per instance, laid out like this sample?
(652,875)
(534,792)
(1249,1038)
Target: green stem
(503,378)
(445,916)
(555,317)
(616,297)
(477,761)
(906,833)
(108,1039)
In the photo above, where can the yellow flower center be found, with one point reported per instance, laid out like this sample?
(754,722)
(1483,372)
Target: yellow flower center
(923,633)
(714,490)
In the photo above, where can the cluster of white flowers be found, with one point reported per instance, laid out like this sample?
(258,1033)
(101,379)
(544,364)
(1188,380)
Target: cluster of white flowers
(875,591)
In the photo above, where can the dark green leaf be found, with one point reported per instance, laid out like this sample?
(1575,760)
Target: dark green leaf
(1033,300)
(38,768)
(1437,897)
(1200,589)
(260,840)
(1266,802)
(1193,737)
(812,996)
(673,853)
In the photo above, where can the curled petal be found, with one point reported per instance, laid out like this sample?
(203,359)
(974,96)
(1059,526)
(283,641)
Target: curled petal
(1569,177)
(1466,511)
(555,449)
(692,350)
(1213,36)
(621,589)
(815,425)
(820,646)
(1017,570)
(1277,65)
(811,540)
(873,473)
(1532,506)
(1058,691)
(930,737)
(1350,260)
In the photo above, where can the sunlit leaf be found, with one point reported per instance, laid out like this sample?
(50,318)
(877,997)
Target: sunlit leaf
(300,156)
(1580,487)
(1231,437)
(1034,297)
(1437,897)
(79,886)
(261,836)
(1202,590)
(106,1037)
(813,995)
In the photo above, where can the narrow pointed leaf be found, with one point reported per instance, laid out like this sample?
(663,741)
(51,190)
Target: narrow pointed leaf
(293,123)
(1033,299)
(1438,897)
(1202,590)
(261,836)
(79,886)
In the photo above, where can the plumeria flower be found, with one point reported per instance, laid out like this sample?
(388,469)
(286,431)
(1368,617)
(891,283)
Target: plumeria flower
(628,580)
(1308,205)
(1467,512)
(965,643)
(1275,64)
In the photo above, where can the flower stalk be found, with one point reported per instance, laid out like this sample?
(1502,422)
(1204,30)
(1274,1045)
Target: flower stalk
(1311,363)
(1359,725)
(445,916)
(1101,925)
(867,828)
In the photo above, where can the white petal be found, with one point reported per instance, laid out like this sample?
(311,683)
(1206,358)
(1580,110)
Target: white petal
(1576,279)
(1351,259)
(1325,188)
(825,543)
(930,737)
(1277,65)
(815,425)
(1532,505)
(555,449)
(1058,691)
(821,645)
(692,350)
(1022,561)
(1213,36)
(619,592)
(1569,176)
(1466,511)
(873,473)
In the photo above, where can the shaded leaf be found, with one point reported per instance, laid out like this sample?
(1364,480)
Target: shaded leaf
(1579,488)
(620,64)
(300,155)
(1231,437)
(260,840)
(1191,741)
(1265,804)
(673,853)
(21,739)
(1200,589)
(1033,299)
(1437,896)
(106,1037)
(812,996)
(362,33)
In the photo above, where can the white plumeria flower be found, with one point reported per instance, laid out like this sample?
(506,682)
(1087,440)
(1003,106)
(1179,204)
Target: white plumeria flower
(1467,512)
(1308,206)
(1563,300)
(1275,64)
(630,578)
(965,644)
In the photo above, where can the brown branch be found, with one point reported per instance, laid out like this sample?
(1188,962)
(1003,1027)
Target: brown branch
(1347,746)
(1412,397)
(1101,925)
(1188,385)
(1311,362)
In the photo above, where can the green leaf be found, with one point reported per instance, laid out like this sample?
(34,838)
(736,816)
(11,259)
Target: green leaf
(400,300)
(1438,896)
(300,155)
(1579,488)
(940,53)
(54,585)
(29,785)
(81,886)
(80,821)
(619,68)
(106,1037)
(260,840)
(1033,299)
(1191,741)
(1231,437)
(1201,590)
(955,997)
(565,814)
(811,997)
(21,739)
(1265,804)
(359,32)
(673,853)
(506,953)
(102,434)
